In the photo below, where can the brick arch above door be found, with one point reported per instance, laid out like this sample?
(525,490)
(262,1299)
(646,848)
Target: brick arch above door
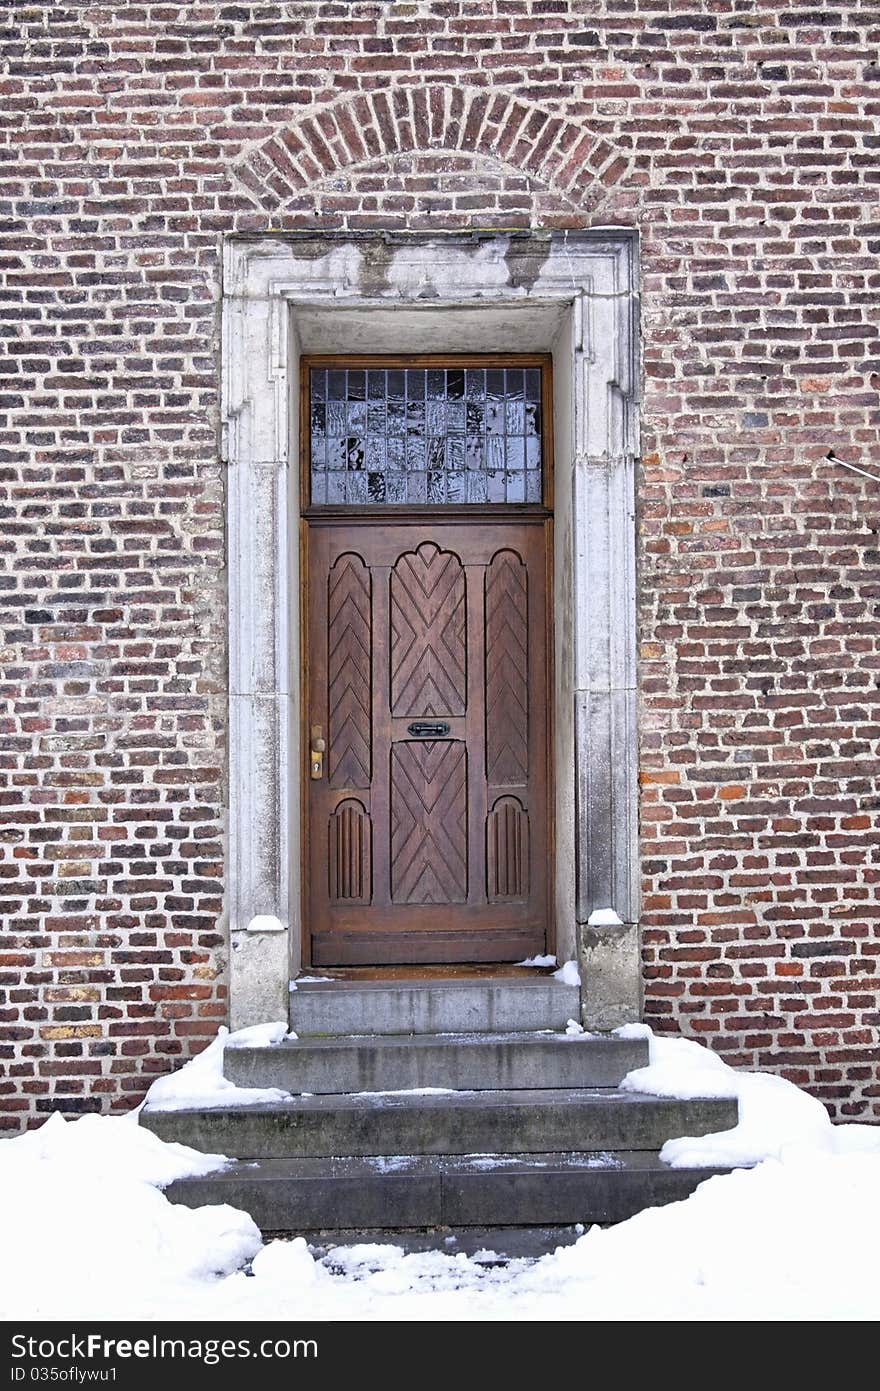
(425,189)
(577,162)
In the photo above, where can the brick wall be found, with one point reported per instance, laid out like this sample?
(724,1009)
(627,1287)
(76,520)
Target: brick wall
(742,141)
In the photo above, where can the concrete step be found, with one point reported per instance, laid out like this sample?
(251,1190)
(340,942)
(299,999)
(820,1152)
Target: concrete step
(451,1191)
(449,1006)
(469,1062)
(508,1122)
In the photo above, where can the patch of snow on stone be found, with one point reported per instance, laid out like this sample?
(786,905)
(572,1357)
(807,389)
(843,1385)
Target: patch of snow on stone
(200,1082)
(634,1031)
(413,1091)
(604,917)
(538,961)
(775,1116)
(257,1036)
(392,1163)
(568,974)
(266,922)
(492,1161)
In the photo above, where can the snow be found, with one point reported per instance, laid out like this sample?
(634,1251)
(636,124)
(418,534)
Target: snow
(309,980)
(414,1091)
(266,922)
(200,1082)
(573,1027)
(258,1036)
(774,1115)
(604,917)
(568,974)
(88,1234)
(392,1163)
(634,1031)
(678,1067)
(104,1147)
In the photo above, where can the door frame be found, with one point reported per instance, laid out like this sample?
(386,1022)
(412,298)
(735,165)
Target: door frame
(356,516)
(572,293)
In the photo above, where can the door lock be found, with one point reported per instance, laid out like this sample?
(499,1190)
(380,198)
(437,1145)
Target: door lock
(316,752)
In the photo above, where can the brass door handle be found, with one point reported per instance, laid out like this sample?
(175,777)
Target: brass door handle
(316,753)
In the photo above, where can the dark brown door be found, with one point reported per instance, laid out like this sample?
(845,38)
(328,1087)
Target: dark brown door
(428,686)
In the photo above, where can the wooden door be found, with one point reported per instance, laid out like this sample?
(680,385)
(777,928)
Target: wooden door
(427,684)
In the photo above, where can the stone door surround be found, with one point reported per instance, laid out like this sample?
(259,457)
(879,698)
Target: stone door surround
(574,294)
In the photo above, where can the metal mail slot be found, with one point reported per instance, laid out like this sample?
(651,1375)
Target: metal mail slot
(428,729)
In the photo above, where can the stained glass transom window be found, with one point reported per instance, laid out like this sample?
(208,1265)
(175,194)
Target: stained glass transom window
(417,435)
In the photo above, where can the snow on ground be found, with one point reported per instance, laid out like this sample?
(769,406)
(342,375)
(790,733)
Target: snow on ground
(87,1232)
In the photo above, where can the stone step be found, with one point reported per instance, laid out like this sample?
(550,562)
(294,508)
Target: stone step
(509,1122)
(448,1006)
(451,1191)
(470,1062)
(492,1245)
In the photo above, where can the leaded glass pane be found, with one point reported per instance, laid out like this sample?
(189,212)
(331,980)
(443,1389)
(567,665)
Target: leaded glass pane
(410,435)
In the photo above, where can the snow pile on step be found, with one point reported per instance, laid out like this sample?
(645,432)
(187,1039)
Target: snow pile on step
(568,974)
(87,1233)
(774,1115)
(200,1082)
(677,1067)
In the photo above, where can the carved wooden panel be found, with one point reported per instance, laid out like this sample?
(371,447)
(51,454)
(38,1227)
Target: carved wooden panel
(507,671)
(350,853)
(507,851)
(427,836)
(429,822)
(349,640)
(428,634)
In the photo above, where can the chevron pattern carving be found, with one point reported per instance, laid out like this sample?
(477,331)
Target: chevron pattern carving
(507,671)
(429,822)
(349,705)
(428,656)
